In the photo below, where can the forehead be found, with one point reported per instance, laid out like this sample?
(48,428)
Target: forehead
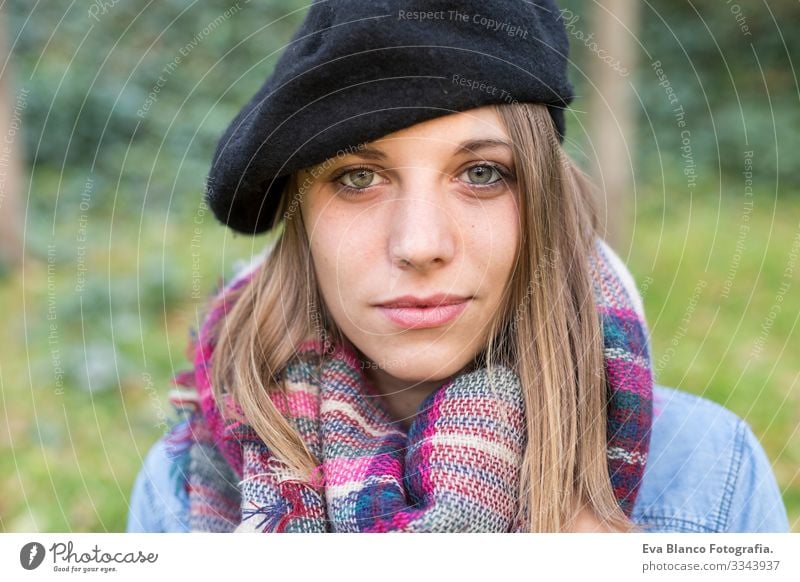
(482,123)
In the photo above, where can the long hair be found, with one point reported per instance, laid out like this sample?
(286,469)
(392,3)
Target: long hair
(548,332)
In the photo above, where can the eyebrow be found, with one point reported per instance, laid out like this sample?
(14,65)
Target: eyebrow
(469,146)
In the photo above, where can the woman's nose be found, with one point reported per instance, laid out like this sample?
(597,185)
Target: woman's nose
(423,232)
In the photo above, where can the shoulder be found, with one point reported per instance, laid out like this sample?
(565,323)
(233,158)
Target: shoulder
(624,274)
(706,471)
(159,502)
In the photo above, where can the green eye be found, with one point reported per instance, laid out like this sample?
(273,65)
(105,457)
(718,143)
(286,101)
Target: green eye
(481,175)
(359,178)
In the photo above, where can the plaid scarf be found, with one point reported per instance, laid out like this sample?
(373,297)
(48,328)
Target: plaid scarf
(455,469)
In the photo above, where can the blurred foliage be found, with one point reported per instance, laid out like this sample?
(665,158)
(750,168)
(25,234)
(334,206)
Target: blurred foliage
(90,75)
(84,374)
(739,91)
(108,99)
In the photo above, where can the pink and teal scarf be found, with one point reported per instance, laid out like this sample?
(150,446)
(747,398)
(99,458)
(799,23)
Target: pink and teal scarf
(455,469)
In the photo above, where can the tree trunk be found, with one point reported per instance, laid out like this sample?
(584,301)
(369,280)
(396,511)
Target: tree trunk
(612,58)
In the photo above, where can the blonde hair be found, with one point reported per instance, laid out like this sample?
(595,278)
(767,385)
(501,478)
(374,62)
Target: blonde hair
(550,333)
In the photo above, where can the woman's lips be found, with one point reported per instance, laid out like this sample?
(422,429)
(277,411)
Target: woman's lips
(422,317)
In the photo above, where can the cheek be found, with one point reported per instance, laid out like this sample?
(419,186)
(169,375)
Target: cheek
(492,243)
(344,245)
(343,250)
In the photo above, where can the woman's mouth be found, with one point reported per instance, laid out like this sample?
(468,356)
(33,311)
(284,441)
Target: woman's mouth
(419,316)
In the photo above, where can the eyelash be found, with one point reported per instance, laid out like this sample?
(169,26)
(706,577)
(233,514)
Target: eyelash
(350,192)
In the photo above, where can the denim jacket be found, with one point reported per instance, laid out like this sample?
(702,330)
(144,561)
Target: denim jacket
(705,472)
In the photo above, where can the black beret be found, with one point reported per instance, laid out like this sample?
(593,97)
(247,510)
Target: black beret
(357,70)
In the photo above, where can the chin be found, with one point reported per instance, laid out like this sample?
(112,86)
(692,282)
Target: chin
(430,365)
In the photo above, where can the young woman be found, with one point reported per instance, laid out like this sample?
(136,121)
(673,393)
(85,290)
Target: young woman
(438,339)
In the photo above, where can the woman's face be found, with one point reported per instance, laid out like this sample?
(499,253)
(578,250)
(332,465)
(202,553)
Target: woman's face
(429,210)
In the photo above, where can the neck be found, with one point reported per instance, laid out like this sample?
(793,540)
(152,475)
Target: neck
(402,398)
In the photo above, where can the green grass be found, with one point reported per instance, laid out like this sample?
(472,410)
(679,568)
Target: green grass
(70,455)
(71,452)
(711,304)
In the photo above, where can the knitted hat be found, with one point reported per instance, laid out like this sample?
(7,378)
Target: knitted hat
(358,70)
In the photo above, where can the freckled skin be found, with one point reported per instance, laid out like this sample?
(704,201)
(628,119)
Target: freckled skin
(418,225)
